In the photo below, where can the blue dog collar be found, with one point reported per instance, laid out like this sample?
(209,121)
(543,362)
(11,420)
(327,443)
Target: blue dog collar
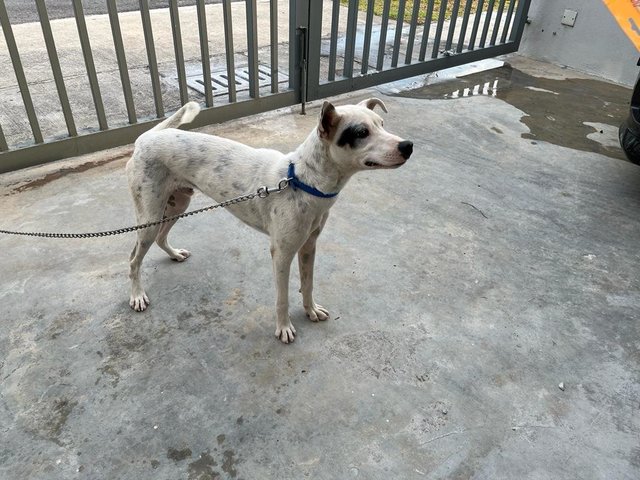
(296,183)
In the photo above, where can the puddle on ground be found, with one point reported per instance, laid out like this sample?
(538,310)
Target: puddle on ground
(583,114)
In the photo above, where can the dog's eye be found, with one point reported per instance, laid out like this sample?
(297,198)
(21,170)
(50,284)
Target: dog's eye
(363,133)
(352,135)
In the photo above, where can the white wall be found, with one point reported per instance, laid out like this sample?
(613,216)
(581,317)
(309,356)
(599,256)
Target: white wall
(595,45)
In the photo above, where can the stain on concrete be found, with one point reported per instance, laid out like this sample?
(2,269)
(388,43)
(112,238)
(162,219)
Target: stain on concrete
(398,357)
(178,455)
(229,463)
(236,296)
(59,415)
(50,177)
(202,469)
(201,320)
(555,110)
(429,421)
(109,370)
(65,324)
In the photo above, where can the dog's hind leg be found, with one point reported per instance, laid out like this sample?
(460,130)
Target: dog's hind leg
(138,299)
(149,208)
(177,204)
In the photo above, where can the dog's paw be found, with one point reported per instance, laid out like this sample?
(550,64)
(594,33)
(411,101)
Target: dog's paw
(286,334)
(317,313)
(179,254)
(139,302)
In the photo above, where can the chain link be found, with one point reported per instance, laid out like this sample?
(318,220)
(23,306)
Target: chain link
(262,192)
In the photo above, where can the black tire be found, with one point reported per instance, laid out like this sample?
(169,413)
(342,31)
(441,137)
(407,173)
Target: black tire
(630,143)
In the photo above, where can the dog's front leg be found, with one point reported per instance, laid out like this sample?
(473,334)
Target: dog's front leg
(282,256)
(306,259)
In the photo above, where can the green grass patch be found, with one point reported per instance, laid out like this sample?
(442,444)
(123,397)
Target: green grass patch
(378,7)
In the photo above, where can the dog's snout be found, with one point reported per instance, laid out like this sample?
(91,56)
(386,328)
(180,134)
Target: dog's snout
(406,148)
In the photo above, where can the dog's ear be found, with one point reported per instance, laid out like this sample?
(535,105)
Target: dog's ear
(329,120)
(370,103)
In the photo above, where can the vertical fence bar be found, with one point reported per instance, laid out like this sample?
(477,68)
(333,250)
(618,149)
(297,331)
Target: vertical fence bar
(496,25)
(333,42)
(229,50)
(452,24)
(204,52)
(273,40)
(507,22)
(463,28)
(314,45)
(476,24)
(151,57)
(519,22)
(350,41)
(55,67)
(412,31)
(384,26)
(252,45)
(366,48)
(398,36)
(425,32)
(177,48)
(487,23)
(441,17)
(89,64)
(19,72)
(122,60)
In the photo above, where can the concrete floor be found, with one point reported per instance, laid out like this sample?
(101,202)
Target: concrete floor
(464,288)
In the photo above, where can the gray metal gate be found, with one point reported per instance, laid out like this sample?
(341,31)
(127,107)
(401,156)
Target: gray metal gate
(364,49)
(86,83)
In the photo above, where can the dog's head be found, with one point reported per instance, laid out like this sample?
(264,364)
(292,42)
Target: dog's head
(357,139)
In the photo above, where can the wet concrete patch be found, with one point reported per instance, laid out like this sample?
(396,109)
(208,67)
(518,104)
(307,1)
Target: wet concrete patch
(555,110)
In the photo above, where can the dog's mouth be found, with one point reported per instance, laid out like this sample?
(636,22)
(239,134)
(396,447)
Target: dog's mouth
(371,164)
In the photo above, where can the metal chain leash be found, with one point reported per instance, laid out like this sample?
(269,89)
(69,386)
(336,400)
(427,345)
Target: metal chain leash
(262,192)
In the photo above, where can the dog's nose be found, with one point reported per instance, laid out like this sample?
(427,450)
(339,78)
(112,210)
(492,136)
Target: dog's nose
(406,148)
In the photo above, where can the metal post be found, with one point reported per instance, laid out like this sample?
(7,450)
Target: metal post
(151,57)
(425,33)
(19,72)
(367,37)
(303,68)
(89,64)
(252,46)
(333,42)
(412,31)
(439,27)
(122,60)
(519,22)
(177,48)
(313,39)
(384,26)
(229,50)
(350,41)
(398,38)
(273,40)
(55,67)
(465,23)
(204,52)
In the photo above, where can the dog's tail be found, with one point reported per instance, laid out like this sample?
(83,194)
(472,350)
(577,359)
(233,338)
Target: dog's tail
(185,115)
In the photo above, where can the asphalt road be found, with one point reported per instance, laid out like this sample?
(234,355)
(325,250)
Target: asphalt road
(23,12)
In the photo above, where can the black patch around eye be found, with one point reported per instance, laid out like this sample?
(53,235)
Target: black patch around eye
(352,135)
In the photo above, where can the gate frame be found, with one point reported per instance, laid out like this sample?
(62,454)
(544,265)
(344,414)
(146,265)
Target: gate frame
(315,89)
(305,37)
